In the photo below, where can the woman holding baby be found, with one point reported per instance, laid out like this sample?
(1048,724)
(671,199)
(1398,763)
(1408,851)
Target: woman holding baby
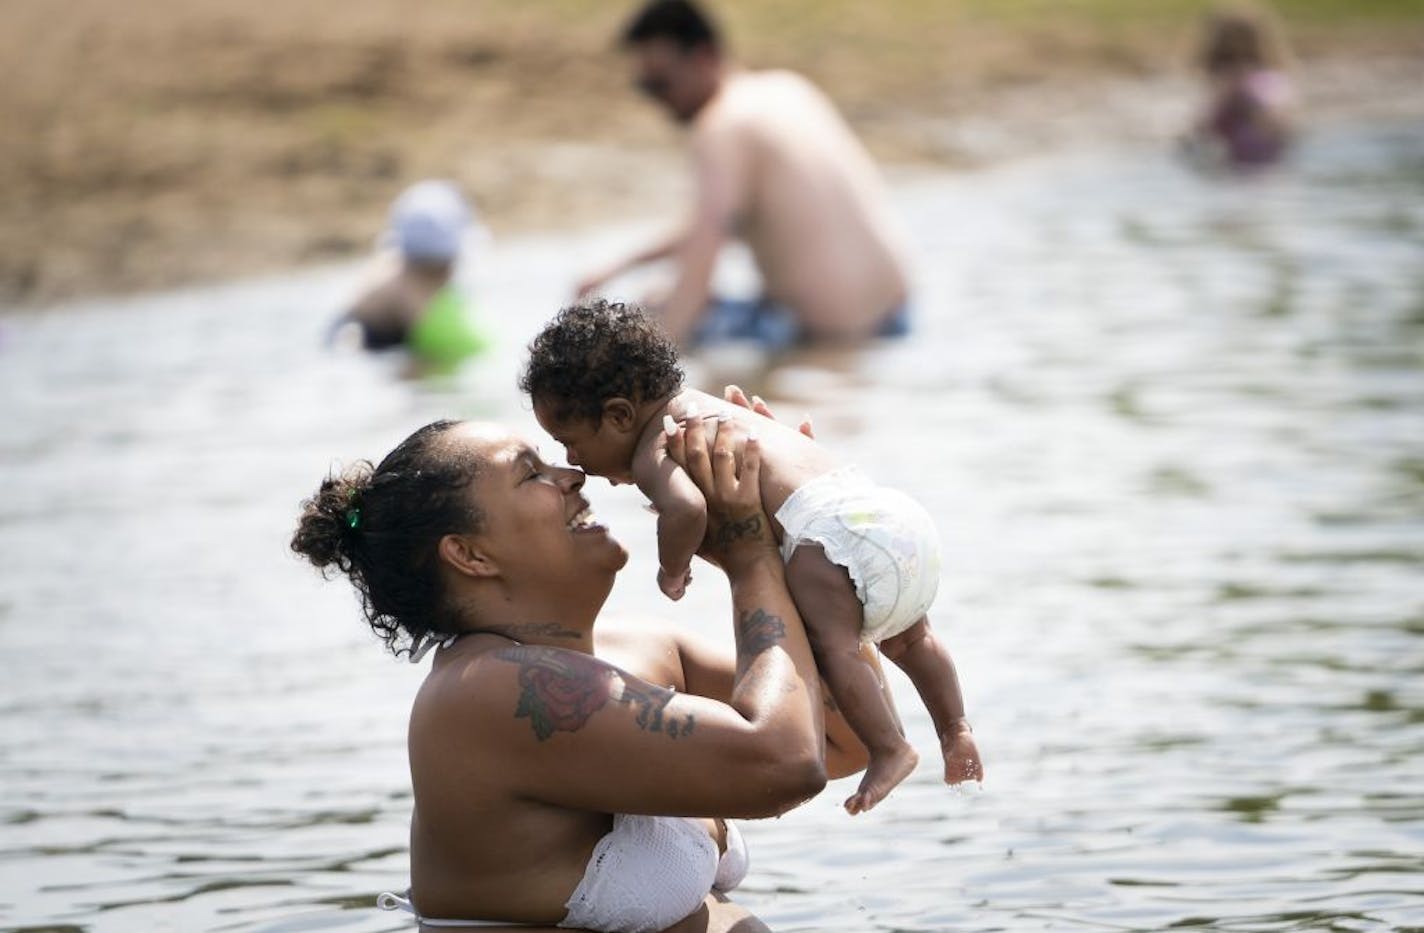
(565,775)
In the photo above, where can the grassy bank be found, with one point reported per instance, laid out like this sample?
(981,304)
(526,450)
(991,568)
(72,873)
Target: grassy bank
(161,141)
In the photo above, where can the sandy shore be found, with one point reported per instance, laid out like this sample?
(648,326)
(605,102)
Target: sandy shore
(159,142)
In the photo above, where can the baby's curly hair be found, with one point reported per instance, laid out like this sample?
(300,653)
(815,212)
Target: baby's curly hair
(598,350)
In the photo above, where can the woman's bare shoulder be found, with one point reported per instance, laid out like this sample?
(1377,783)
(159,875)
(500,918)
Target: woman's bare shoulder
(643,649)
(459,686)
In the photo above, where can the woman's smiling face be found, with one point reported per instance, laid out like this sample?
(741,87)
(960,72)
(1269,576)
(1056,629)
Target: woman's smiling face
(536,522)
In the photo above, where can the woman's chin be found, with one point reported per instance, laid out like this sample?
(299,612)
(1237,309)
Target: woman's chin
(617,554)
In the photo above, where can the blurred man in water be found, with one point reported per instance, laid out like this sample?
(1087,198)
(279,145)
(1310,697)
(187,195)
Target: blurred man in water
(776,166)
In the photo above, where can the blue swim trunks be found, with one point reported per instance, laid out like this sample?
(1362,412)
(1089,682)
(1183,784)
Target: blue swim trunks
(771,324)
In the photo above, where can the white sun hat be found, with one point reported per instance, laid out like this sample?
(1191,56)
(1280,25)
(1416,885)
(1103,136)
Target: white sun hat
(428,221)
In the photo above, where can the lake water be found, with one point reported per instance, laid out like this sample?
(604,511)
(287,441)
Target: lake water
(1173,431)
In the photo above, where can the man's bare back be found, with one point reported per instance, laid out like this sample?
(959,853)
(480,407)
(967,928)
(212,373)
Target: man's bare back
(807,200)
(776,166)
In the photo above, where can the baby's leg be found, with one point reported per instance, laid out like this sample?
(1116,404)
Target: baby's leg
(930,668)
(833,615)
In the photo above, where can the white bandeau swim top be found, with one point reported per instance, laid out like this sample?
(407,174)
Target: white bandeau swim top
(648,873)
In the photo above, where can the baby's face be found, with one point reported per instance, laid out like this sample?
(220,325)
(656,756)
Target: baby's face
(597,448)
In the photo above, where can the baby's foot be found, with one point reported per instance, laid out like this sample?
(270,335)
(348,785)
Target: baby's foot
(886,769)
(961,758)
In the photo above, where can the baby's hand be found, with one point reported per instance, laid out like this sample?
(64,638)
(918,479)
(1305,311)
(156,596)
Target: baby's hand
(674,585)
(961,757)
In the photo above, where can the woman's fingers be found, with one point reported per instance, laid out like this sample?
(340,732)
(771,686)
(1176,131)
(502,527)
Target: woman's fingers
(750,478)
(736,463)
(735,395)
(695,459)
(728,473)
(721,471)
(724,460)
(676,441)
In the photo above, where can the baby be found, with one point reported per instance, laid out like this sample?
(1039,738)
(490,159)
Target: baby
(862,561)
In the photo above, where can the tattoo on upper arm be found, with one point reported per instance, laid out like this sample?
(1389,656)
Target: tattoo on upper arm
(728,532)
(651,703)
(560,691)
(757,630)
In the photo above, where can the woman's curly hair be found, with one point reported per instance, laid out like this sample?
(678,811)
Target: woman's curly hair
(382,525)
(598,350)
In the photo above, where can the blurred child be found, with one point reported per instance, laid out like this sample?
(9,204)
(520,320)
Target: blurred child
(1247,120)
(862,561)
(410,299)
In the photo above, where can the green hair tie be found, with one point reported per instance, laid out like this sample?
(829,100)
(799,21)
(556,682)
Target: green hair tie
(353,510)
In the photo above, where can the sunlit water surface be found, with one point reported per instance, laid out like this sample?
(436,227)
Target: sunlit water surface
(1173,432)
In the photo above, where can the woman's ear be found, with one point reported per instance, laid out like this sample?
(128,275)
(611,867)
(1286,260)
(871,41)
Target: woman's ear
(621,413)
(461,554)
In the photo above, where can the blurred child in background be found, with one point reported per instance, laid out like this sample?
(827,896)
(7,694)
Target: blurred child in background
(1247,119)
(410,298)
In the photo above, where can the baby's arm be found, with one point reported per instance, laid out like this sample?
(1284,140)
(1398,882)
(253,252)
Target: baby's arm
(682,512)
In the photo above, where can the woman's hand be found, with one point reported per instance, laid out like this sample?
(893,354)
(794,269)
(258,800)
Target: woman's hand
(735,395)
(729,479)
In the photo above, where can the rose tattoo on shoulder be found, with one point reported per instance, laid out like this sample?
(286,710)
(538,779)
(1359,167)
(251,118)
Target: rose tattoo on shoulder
(558,693)
(560,690)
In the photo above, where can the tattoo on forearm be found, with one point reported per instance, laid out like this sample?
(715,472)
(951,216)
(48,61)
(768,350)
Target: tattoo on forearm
(757,630)
(736,530)
(560,691)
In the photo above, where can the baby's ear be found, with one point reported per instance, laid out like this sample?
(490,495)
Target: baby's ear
(621,413)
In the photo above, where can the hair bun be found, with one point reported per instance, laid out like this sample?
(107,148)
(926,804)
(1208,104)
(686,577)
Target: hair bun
(331,519)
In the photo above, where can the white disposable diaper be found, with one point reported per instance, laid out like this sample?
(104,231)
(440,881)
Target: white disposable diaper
(882,537)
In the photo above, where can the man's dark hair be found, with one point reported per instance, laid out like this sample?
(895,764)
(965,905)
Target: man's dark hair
(592,352)
(679,21)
